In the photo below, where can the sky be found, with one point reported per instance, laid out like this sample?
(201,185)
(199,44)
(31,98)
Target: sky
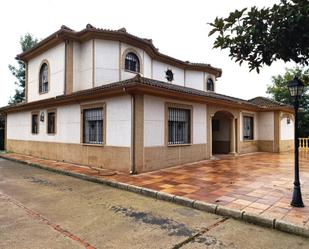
(178,28)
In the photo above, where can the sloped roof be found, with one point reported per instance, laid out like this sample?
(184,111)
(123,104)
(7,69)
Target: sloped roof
(90,32)
(148,86)
(266,102)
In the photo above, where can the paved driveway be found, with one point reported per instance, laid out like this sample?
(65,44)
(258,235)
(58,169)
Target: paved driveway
(40,209)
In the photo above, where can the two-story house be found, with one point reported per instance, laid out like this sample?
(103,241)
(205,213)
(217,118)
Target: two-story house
(109,99)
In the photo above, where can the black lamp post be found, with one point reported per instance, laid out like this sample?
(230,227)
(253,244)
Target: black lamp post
(296,88)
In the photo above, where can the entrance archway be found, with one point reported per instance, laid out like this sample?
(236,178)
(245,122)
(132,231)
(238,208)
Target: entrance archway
(223,133)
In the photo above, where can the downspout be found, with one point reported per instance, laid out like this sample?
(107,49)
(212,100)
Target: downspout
(132,170)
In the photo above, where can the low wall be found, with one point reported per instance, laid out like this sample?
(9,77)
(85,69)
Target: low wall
(108,157)
(166,156)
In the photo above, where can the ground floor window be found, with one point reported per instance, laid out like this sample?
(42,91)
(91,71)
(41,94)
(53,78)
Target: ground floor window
(51,122)
(248,128)
(179,126)
(34,123)
(93,126)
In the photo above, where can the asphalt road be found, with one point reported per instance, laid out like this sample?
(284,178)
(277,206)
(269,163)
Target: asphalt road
(40,209)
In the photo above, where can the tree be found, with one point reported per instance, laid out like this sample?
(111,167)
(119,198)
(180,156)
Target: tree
(26,42)
(262,36)
(278,91)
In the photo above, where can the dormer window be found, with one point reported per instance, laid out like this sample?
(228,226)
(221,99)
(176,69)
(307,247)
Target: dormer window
(132,63)
(210,85)
(43,81)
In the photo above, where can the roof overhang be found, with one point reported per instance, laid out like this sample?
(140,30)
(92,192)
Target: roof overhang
(139,85)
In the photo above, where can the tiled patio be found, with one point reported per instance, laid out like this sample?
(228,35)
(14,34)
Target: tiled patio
(259,183)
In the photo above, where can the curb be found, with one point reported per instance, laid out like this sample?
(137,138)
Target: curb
(199,205)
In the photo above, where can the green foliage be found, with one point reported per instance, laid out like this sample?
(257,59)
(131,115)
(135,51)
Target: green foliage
(26,42)
(262,36)
(278,91)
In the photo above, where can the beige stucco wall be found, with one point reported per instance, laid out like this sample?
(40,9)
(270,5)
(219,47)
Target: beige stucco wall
(55,58)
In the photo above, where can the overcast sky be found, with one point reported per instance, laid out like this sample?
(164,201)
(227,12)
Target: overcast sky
(178,28)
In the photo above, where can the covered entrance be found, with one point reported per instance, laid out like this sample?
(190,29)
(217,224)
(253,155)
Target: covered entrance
(223,133)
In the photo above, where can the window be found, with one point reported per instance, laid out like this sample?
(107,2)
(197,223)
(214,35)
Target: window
(132,62)
(169,75)
(93,126)
(248,128)
(179,126)
(210,85)
(43,80)
(51,122)
(35,123)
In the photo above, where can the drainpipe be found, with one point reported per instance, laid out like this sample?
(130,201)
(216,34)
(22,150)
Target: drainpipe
(132,170)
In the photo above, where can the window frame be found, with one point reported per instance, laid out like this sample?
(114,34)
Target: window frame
(123,61)
(37,113)
(139,63)
(213,84)
(47,121)
(82,126)
(48,76)
(251,116)
(179,106)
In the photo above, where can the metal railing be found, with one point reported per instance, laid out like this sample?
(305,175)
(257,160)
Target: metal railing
(304,143)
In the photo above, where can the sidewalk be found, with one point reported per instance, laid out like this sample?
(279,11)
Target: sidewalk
(258,183)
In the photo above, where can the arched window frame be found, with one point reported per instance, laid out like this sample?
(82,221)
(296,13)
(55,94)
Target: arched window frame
(44,89)
(210,86)
(124,56)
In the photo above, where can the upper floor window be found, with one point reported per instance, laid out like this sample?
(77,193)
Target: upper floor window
(43,80)
(132,62)
(210,85)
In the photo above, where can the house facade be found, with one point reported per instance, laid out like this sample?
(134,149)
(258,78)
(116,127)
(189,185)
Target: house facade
(109,99)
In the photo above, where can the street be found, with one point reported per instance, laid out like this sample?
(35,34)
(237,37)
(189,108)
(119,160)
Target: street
(40,209)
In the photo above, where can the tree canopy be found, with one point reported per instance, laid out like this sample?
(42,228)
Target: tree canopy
(278,91)
(262,36)
(26,42)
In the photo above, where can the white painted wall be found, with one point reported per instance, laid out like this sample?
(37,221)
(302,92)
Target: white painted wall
(286,130)
(68,126)
(118,124)
(266,125)
(118,121)
(195,79)
(56,58)
(83,61)
(106,62)
(154,121)
(160,68)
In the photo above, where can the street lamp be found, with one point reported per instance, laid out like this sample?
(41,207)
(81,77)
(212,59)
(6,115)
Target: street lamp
(296,88)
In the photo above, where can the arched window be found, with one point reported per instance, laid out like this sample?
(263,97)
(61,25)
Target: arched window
(43,81)
(132,62)
(210,85)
